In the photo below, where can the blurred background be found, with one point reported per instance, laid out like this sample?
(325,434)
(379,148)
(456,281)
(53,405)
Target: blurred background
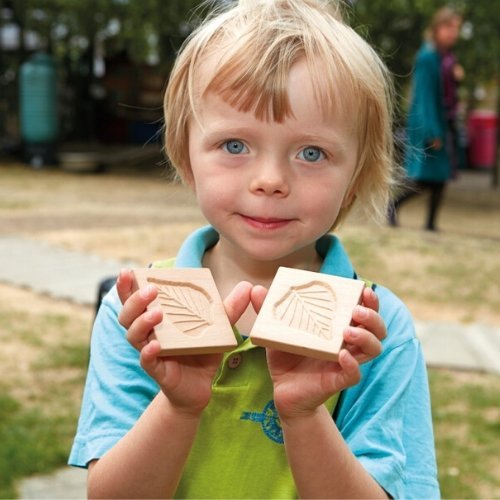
(75,75)
(85,190)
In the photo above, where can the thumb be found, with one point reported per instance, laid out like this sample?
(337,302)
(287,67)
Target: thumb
(149,359)
(237,301)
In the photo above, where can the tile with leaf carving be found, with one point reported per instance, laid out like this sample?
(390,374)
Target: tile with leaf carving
(194,319)
(305,313)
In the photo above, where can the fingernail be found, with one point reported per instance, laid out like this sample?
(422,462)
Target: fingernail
(146,291)
(361,312)
(352,333)
(123,272)
(151,313)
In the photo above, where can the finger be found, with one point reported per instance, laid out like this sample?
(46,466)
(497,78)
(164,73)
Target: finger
(140,329)
(237,301)
(370,299)
(257,297)
(361,343)
(124,284)
(136,304)
(370,320)
(350,373)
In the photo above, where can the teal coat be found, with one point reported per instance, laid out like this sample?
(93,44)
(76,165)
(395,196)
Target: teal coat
(427,120)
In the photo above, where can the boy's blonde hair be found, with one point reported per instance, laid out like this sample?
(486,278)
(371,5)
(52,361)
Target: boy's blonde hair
(251,47)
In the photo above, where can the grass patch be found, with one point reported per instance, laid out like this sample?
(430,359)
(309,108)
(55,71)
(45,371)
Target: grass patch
(443,269)
(14,205)
(466,419)
(44,356)
(31,442)
(65,356)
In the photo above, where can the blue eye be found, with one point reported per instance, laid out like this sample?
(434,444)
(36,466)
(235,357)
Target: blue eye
(234,147)
(311,154)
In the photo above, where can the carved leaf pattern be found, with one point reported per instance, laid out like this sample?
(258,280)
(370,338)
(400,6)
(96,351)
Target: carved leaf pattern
(310,307)
(187,306)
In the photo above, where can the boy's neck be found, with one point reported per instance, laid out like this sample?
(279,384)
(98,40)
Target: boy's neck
(229,268)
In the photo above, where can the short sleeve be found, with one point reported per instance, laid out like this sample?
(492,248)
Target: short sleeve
(117,390)
(386,418)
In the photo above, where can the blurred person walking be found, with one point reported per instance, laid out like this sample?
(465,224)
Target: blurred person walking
(430,155)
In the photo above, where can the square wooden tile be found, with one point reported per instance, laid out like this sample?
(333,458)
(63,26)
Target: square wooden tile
(194,320)
(305,313)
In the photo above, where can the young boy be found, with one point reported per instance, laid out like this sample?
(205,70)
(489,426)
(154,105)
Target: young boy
(278,117)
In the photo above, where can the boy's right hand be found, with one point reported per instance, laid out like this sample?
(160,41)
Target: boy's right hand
(185,380)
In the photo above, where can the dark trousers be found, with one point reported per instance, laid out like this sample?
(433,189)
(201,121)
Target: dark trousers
(418,187)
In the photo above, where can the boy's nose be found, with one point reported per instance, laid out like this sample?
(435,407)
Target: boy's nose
(270,180)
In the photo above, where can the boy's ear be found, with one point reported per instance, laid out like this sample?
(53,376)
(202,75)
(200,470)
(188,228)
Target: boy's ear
(349,198)
(189,181)
(188,178)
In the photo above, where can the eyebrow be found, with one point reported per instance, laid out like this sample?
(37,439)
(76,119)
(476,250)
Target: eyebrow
(227,130)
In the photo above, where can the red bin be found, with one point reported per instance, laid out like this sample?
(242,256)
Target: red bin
(482,134)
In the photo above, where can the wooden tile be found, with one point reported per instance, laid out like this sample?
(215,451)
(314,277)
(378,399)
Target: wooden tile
(194,320)
(305,313)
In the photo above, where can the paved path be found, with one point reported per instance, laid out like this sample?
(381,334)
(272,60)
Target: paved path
(75,276)
(66,483)
(462,347)
(52,270)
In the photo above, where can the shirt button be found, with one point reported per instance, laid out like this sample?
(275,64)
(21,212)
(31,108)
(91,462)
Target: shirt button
(234,361)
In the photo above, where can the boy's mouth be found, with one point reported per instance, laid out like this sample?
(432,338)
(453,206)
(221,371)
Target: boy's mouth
(265,222)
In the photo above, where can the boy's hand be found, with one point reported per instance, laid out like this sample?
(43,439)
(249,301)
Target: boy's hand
(185,380)
(302,384)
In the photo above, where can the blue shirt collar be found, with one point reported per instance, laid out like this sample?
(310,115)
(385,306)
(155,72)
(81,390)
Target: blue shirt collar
(335,258)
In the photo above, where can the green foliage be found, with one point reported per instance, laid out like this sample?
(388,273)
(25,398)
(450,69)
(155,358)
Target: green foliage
(146,27)
(480,55)
(71,26)
(396,27)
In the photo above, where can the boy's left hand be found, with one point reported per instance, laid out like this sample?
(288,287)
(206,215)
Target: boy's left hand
(302,384)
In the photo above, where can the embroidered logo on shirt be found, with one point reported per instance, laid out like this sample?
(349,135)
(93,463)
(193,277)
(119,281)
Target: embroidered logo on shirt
(269,421)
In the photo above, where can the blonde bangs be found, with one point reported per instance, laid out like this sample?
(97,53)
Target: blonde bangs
(254,60)
(256,80)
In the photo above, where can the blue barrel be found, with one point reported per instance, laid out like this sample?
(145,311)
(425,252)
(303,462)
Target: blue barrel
(38,100)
